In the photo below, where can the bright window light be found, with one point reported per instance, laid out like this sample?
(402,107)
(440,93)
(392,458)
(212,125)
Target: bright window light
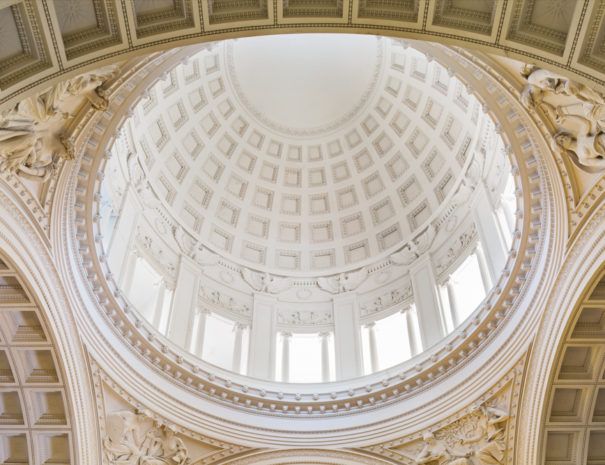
(143,291)
(219,340)
(305,358)
(392,344)
(165,309)
(468,287)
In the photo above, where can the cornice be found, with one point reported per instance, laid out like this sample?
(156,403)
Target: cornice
(512,305)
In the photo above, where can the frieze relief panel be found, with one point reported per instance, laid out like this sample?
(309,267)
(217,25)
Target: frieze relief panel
(480,434)
(133,434)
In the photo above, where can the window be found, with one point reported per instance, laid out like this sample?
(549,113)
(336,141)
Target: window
(467,289)
(143,289)
(390,340)
(219,341)
(305,362)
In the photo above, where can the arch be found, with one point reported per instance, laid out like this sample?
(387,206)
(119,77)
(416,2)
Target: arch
(579,274)
(308,457)
(52,52)
(53,350)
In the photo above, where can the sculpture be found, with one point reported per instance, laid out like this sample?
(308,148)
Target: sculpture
(576,111)
(133,438)
(414,249)
(343,282)
(436,451)
(476,439)
(264,282)
(30,143)
(588,148)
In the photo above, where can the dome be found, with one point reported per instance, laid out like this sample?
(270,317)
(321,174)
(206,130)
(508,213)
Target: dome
(236,158)
(287,178)
(380,242)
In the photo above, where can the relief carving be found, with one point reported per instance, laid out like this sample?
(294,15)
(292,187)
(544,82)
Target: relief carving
(304,318)
(575,111)
(386,300)
(226,302)
(478,439)
(413,250)
(264,282)
(343,282)
(133,438)
(30,143)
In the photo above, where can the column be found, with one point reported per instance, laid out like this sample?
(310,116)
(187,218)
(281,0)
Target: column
(410,324)
(491,239)
(159,304)
(428,303)
(122,240)
(347,337)
(483,269)
(373,346)
(451,297)
(285,356)
(261,358)
(202,315)
(237,348)
(184,302)
(325,356)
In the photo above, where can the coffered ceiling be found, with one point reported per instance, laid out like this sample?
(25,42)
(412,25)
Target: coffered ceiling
(236,155)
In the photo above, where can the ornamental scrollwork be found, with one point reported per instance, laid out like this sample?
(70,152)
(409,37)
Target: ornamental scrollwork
(133,438)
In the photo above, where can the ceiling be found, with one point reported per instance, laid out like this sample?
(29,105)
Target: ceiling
(283,162)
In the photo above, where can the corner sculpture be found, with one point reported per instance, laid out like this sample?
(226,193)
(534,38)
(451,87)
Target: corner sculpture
(30,143)
(575,111)
(480,441)
(133,438)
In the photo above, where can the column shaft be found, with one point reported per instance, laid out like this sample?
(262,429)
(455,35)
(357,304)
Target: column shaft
(325,356)
(491,238)
(451,297)
(428,303)
(373,347)
(483,269)
(412,340)
(184,303)
(122,240)
(159,304)
(261,359)
(347,337)
(237,349)
(202,315)
(285,357)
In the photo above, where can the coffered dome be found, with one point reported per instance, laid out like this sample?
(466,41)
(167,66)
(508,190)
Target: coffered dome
(307,157)
(269,173)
